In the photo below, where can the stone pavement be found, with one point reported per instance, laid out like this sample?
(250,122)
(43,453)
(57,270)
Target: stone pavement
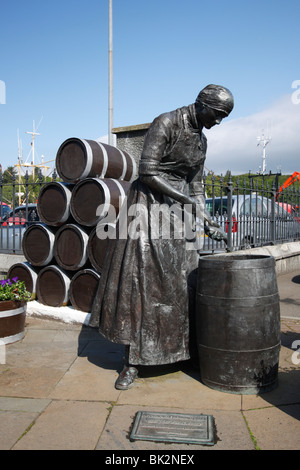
(57,393)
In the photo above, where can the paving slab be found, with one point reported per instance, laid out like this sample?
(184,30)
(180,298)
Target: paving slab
(231,431)
(29,382)
(288,388)
(44,347)
(93,374)
(38,354)
(12,425)
(275,428)
(33,321)
(179,389)
(23,404)
(290,325)
(289,291)
(66,425)
(16,416)
(86,381)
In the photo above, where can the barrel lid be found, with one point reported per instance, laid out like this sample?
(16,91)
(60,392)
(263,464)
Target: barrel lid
(54,201)
(71,159)
(26,273)
(236,261)
(83,289)
(70,247)
(53,286)
(87,196)
(37,244)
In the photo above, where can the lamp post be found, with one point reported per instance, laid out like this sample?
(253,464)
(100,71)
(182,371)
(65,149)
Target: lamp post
(110,73)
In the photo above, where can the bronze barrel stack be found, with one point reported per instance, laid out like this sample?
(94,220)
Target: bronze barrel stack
(64,255)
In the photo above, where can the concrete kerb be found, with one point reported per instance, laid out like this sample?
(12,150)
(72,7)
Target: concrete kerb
(287,257)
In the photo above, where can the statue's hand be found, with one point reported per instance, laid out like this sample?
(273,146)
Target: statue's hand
(215,232)
(212,223)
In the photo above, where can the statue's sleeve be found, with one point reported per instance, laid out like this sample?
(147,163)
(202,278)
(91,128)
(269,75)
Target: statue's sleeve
(156,140)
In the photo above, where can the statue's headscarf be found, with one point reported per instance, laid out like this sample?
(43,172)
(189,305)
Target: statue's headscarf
(216,97)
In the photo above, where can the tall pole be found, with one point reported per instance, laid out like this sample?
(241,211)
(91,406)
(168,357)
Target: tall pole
(110,73)
(32,144)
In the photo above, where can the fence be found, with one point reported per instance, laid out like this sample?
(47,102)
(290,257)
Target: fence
(18,198)
(252,213)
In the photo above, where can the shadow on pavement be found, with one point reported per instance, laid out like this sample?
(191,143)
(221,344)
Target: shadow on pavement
(296,279)
(98,350)
(107,355)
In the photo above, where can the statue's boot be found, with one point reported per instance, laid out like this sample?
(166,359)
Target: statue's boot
(126,378)
(128,375)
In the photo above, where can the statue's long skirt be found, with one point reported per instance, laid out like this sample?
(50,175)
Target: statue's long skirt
(146,292)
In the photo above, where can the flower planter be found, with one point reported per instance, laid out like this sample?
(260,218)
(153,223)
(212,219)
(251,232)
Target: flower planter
(12,320)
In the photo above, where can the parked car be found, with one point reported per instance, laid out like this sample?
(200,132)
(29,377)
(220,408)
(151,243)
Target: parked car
(4,209)
(14,224)
(21,215)
(253,222)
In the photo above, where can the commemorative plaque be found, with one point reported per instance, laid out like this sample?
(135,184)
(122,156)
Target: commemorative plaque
(173,427)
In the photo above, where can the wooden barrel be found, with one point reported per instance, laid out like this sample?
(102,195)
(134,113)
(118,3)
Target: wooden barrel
(91,193)
(27,273)
(238,323)
(53,203)
(77,159)
(70,247)
(97,249)
(12,321)
(83,289)
(53,285)
(37,244)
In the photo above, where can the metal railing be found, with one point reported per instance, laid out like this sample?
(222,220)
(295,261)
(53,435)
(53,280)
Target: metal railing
(251,213)
(18,199)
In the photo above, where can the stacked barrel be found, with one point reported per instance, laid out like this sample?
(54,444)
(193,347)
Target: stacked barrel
(64,255)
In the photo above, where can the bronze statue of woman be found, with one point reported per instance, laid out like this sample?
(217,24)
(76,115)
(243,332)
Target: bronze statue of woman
(146,292)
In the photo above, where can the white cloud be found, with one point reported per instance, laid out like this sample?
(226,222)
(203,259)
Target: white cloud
(233,144)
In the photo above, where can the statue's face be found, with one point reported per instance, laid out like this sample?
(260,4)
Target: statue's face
(208,117)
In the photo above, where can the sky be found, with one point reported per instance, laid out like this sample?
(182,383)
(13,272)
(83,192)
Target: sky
(54,73)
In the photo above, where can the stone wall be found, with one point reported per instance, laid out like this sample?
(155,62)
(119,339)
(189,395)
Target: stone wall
(131,139)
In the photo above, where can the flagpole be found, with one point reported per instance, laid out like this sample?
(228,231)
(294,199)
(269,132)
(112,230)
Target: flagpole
(110,73)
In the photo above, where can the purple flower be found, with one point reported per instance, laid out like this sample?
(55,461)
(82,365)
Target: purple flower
(15,279)
(3,282)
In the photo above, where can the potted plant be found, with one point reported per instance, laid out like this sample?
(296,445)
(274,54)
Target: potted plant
(13,305)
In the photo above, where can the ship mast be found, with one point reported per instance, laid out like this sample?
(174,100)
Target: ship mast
(262,140)
(19,165)
(33,133)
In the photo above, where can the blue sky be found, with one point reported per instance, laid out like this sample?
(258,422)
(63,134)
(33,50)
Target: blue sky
(54,63)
